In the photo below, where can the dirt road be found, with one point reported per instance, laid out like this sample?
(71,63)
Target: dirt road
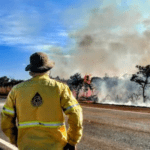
(106,129)
(113,129)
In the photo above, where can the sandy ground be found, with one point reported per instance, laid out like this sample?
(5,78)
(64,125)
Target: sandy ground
(108,127)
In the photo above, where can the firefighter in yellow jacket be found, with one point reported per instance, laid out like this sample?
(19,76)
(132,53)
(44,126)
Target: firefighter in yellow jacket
(33,117)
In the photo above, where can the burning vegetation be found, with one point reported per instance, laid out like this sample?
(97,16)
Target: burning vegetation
(128,90)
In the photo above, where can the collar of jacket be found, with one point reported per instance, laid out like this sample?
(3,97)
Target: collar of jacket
(39,77)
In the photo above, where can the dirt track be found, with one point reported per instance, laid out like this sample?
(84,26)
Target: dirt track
(108,129)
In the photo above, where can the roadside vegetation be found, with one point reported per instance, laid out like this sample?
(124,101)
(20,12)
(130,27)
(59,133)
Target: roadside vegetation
(6,85)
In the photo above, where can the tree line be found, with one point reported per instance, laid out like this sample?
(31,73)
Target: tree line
(5,81)
(76,82)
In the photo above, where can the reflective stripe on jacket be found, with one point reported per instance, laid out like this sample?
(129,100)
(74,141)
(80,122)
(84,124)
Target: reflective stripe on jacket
(38,104)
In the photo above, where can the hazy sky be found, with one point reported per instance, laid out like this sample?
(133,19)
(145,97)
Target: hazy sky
(97,37)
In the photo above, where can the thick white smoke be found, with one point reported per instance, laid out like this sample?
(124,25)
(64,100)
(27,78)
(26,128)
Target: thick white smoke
(109,43)
(120,92)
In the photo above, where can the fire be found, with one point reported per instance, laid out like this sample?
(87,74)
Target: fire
(87,79)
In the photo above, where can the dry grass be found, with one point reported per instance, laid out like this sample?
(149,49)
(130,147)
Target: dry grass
(5,90)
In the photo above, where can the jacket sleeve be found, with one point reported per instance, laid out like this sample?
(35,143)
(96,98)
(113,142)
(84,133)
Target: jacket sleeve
(8,115)
(73,110)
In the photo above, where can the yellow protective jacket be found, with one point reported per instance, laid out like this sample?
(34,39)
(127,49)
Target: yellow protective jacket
(33,117)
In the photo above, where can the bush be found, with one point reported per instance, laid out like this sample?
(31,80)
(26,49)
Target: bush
(5,90)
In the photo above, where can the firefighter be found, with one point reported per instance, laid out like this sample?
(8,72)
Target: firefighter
(33,115)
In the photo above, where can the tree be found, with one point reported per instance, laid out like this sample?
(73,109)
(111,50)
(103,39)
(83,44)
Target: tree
(142,78)
(3,80)
(76,83)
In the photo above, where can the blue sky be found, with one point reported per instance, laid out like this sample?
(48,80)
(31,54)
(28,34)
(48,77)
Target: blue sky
(60,28)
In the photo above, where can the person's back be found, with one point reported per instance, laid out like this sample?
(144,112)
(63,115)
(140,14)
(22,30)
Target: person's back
(38,105)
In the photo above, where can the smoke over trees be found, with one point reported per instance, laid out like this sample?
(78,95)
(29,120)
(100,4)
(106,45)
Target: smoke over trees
(108,89)
(111,90)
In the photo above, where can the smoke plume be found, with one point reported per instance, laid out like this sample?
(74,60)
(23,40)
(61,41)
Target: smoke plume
(109,43)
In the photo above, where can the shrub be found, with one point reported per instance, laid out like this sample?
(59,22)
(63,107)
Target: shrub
(5,90)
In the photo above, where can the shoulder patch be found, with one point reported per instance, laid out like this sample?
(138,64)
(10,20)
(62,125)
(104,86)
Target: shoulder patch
(37,100)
